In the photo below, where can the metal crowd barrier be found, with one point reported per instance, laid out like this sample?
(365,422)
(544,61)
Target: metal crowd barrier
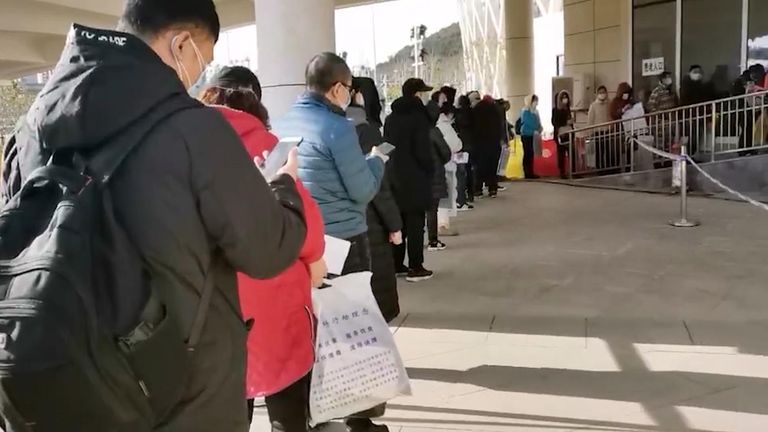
(730,127)
(725,128)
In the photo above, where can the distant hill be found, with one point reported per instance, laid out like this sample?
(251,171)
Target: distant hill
(444,62)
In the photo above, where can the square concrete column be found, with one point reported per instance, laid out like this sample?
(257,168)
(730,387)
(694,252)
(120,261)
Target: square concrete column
(518,38)
(289,34)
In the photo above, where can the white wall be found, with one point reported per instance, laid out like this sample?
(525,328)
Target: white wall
(548,42)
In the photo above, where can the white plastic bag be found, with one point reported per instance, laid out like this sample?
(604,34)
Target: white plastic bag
(358,365)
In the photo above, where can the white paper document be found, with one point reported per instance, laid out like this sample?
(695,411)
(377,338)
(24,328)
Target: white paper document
(336,252)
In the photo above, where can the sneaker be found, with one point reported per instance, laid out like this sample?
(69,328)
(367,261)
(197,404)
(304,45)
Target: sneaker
(465,207)
(436,246)
(364,425)
(502,188)
(494,195)
(402,271)
(419,275)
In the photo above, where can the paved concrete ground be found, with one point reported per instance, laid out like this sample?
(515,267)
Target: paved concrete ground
(569,309)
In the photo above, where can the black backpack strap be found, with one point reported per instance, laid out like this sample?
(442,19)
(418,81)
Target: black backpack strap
(202,311)
(106,162)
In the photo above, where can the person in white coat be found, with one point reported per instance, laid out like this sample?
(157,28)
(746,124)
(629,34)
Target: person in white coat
(447,208)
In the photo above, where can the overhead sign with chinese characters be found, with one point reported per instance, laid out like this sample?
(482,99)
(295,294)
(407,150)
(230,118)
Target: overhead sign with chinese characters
(653,66)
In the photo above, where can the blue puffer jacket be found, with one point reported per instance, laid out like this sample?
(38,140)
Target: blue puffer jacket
(531,123)
(332,165)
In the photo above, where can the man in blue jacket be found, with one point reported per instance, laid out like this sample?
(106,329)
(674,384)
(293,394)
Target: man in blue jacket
(331,163)
(334,169)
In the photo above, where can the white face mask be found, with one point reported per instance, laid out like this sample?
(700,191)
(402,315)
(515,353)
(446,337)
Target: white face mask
(667,82)
(425,98)
(348,101)
(696,76)
(534,105)
(602,96)
(565,101)
(181,69)
(359,99)
(625,96)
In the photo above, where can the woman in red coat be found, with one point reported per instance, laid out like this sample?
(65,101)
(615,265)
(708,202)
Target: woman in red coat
(278,311)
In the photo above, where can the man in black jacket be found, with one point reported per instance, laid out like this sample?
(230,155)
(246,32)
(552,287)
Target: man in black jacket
(407,128)
(189,196)
(487,120)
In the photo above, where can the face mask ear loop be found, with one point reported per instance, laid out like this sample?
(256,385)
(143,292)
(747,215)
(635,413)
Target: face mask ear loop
(180,66)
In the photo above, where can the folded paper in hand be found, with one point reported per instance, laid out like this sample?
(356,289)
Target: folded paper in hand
(336,252)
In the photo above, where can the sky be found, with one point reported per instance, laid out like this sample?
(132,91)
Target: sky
(355,31)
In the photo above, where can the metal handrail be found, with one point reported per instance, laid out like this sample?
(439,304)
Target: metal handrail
(726,126)
(671,111)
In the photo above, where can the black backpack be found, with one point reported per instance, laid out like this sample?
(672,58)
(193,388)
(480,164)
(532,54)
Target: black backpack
(86,344)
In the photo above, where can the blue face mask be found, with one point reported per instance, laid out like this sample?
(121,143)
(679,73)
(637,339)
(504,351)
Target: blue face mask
(184,73)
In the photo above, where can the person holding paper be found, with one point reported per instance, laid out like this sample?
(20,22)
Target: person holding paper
(278,310)
(384,222)
(334,169)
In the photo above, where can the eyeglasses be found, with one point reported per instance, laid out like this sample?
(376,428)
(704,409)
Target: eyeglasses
(347,86)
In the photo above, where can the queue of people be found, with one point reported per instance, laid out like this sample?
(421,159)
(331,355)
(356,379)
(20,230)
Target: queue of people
(216,263)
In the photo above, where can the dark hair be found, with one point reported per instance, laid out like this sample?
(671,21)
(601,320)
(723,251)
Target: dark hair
(148,18)
(694,67)
(238,88)
(464,102)
(367,87)
(447,109)
(665,74)
(325,70)
(602,87)
(436,96)
(450,93)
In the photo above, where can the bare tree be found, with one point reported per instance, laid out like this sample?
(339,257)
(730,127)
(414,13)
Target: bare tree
(14,103)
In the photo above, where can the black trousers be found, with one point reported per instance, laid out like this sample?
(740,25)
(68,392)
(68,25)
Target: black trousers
(471,179)
(432,221)
(413,240)
(461,184)
(289,409)
(359,258)
(562,153)
(528,156)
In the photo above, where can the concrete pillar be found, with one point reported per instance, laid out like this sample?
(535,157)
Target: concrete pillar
(518,41)
(289,34)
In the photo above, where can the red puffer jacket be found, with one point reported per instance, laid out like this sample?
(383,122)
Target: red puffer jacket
(281,342)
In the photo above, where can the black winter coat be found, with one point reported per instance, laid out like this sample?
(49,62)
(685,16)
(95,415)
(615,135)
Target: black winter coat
(695,92)
(441,155)
(407,128)
(560,119)
(383,219)
(487,121)
(464,127)
(189,197)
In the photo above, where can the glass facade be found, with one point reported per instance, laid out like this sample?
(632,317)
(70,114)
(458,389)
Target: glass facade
(712,38)
(710,35)
(757,39)
(654,30)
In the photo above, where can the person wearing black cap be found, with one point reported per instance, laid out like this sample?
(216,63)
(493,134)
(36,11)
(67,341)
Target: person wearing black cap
(408,129)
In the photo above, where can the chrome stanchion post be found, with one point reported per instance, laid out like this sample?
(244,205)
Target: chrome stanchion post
(571,154)
(684,222)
